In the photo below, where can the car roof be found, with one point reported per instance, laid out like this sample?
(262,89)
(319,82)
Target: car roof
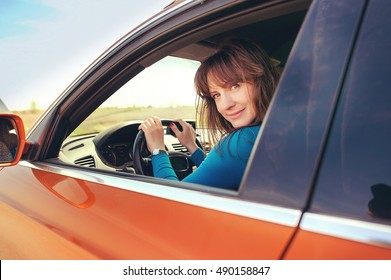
(278,40)
(274,29)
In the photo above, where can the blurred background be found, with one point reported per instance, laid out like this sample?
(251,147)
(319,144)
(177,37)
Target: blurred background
(46,44)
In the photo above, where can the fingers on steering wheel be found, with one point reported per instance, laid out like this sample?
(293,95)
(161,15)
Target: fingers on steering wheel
(156,121)
(185,125)
(150,123)
(174,128)
(181,122)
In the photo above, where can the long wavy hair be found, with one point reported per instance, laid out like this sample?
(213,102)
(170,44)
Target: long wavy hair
(235,61)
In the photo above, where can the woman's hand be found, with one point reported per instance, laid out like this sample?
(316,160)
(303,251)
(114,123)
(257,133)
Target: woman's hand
(154,133)
(187,136)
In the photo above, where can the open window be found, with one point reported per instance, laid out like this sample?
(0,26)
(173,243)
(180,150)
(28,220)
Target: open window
(106,138)
(165,88)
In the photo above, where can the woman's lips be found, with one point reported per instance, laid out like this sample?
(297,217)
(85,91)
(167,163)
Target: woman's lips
(235,115)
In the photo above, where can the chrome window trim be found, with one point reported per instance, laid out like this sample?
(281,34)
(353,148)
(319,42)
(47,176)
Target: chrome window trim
(355,230)
(263,212)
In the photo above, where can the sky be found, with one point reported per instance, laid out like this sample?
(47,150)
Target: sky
(46,44)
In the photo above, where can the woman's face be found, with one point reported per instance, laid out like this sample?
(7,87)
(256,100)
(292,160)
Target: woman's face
(235,102)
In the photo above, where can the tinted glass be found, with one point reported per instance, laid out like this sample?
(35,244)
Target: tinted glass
(355,179)
(282,169)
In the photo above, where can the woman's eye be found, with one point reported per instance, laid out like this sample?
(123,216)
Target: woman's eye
(215,96)
(235,86)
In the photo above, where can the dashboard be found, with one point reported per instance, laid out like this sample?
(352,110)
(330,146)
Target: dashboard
(112,149)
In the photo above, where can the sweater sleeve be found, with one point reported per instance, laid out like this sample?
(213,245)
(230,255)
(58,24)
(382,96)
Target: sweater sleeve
(223,167)
(162,167)
(197,157)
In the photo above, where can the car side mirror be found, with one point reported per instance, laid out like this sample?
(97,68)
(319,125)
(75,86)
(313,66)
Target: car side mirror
(12,139)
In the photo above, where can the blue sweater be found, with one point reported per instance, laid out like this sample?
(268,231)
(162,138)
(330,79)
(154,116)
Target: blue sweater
(223,167)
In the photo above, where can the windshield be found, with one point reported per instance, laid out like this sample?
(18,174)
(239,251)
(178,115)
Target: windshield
(165,89)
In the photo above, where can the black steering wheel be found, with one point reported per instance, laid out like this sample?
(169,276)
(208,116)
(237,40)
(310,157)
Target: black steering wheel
(142,161)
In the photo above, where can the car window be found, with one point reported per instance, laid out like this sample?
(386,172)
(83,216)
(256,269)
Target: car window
(355,178)
(105,139)
(291,141)
(163,89)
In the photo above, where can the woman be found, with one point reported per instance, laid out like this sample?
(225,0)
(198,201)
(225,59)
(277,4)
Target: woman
(234,88)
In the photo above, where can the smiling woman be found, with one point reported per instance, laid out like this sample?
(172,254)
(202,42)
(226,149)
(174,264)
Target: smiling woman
(307,186)
(234,86)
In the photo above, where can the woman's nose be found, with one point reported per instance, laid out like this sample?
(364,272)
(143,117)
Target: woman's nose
(226,101)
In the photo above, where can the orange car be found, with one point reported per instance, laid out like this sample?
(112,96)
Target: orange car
(317,185)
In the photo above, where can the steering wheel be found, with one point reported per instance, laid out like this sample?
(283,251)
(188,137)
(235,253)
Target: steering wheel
(142,158)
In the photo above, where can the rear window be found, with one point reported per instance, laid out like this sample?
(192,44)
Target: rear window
(355,179)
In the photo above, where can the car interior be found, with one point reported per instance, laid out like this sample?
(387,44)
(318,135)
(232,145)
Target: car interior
(106,138)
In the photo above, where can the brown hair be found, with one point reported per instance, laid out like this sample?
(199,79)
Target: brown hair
(236,61)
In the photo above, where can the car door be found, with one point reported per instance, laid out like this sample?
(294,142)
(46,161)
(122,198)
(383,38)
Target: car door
(349,214)
(89,213)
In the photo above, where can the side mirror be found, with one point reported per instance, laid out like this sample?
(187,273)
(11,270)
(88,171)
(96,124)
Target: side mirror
(12,139)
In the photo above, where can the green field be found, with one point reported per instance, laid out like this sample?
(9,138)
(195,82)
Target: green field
(105,117)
